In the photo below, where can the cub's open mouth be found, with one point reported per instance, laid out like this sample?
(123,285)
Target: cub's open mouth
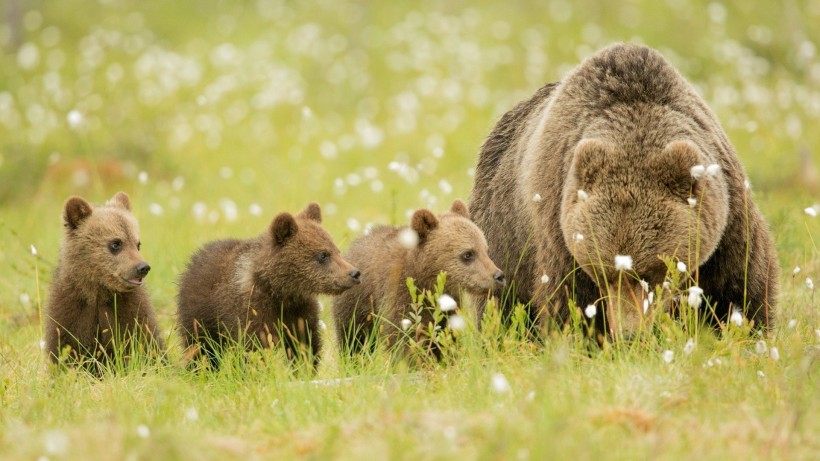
(136,281)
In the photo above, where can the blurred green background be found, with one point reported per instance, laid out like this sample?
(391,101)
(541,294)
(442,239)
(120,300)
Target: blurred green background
(216,115)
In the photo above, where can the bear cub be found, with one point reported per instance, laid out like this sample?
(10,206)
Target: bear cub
(98,305)
(261,292)
(389,255)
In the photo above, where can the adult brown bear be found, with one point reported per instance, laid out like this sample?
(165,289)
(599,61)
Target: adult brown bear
(621,158)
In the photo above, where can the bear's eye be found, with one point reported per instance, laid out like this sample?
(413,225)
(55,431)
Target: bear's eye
(468,256)
(139,245)
(115,246)
(323,257)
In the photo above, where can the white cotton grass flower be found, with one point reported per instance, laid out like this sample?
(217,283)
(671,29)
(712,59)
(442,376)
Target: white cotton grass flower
(697,171)
(689,347)
(406,324)
(760,374)
(536,198)
(646,305)
(255,209)
(644,286)
(408,238)
(191,414)
(817,333)
(578,236)
(33,250)
(666,285)
(792,323)
(681,266)
(56,442)
(760,347)
(623,262)
(811,211)
(774,354)
(695,293)
(809,284)
(499,383)
(143,431)
(668,356)
(322,325)
(582,195)
(42,344)
(353,224)
(736,318)
(693,202)
(446,303)
(142,177)
(590,311)
(746,184)
(712,170)
(456,322)
(156,209)
(75,118)
(795,271)
(25,299)
(545,278)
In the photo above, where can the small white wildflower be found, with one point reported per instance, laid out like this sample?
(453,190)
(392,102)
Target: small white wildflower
(322,325)
(306,112)
(817,333)
(760,347)
(651,297)
(456,323)
(353,224)
(645,306)
(645,286)
(536,198)
(56,442)
(178,183)
(42,344)
(75,119)
(697,171)
(582,195)
(774,354)
(760,374)
(499,383)
(736,317)
(747,184)
(191,414)
(809,284)
(623,262)
(695,293)
(255,209)
(795,271)
(693,202)
(143,431)
(530,396)
(578,236)
(668,356)
(810,211)
(445,186)
(712,170)
(446,303)
(590,311)
(408,238)
(681,266)
(156,209)
(709,363)
(406,324)
(142,177)
(666,285)
(33,250)
(792,323)
(689,347)
(25,299)
(545,278)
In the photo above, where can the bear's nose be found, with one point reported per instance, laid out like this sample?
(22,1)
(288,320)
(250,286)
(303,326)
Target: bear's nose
(355,274)
(142,269)
(499,278)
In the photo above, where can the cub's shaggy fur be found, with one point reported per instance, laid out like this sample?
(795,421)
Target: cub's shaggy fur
(262,291)
(449,243)
(600,165)
(98,303)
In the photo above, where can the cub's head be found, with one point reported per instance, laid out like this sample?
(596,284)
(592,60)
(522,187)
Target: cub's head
(102,244)
(304,253)
(657,207)
(453,244)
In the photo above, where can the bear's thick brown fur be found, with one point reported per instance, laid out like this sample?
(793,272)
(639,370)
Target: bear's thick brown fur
(98,303)
(607,154)
(448,243)
(262,291)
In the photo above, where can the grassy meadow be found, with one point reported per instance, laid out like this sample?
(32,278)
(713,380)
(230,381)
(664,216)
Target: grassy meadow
(215,116)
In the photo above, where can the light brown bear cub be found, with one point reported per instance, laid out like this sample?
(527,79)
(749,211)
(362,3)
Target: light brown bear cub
(622,158)
(450,243)
(98,303)
(262,291)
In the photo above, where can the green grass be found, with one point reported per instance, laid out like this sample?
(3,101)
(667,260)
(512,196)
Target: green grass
(282,104)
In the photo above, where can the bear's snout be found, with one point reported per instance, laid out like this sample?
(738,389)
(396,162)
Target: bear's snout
(499,279)
(142,269)
(138,273)
(355,274)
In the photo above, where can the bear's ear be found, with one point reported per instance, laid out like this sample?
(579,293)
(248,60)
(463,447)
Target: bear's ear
(674,167)
(76,211)
(312,212)
(120,199)
(423,222)
(460,208)
(283,228)
(590,157)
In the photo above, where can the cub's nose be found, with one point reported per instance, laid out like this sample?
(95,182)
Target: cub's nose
(355,275)
(142,269)
(499,278)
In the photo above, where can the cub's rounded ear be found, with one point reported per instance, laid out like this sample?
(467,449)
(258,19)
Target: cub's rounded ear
(76,210)
(283,228)
(121,199)
(590,157)
(460,208)
(674,167)
(423,222)
(312,212)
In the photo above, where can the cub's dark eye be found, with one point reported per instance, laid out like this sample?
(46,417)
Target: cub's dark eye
(468,256)
(139,245)
(115,246)
(323,257)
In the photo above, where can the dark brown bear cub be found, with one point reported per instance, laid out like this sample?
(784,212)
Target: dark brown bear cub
(262,292)
(448,243)
(98,307)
